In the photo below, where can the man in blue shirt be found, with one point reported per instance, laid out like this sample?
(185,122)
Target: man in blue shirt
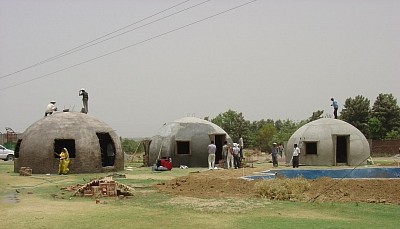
(335,107)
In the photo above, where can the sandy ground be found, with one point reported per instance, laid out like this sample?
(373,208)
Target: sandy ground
(227,183)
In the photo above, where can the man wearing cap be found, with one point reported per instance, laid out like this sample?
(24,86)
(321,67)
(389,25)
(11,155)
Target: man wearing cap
(50,108)
(275,152)
(85,98)
(236,155)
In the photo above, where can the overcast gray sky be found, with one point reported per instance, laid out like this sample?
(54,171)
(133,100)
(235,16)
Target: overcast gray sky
(267,59)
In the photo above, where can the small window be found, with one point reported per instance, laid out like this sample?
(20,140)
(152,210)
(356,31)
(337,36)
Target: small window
(311,147)
(182,147)
(59,144)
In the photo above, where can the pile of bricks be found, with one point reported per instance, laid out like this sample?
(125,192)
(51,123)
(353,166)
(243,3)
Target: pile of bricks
(105,187)
(25,171)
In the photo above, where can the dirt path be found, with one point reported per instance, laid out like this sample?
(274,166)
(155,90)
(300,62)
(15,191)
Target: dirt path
(227,183)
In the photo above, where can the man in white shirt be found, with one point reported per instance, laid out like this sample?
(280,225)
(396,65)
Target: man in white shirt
(212,148)
(241,145)
(236,155)
(296,154)
(50,108)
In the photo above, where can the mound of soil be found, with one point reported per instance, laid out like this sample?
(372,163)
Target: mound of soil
(227,183)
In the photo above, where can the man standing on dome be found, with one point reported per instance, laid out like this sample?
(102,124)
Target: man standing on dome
(50,108)
(335,107)
(85,98)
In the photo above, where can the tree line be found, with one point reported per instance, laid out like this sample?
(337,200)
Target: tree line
(381,121)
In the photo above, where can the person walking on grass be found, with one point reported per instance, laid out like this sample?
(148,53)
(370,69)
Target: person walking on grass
(212,148)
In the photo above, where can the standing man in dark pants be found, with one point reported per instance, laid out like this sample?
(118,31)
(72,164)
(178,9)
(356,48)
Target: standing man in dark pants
(85,98)
(275,152)
(295,159)
(236,155)
(335,107)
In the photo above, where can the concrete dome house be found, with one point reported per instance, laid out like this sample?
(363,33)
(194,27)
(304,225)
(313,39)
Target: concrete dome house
(328,141)
(86,138)
(185,140)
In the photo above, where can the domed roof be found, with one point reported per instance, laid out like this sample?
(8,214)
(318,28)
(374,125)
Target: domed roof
(75,122)
(178,127)
(328,141)
(325,128)
(185,140)
(85,137)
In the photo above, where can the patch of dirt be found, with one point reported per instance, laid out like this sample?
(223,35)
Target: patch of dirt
(227,183)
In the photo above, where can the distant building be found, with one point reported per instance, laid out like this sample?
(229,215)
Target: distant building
(85,137)
(328,141)
(185,140)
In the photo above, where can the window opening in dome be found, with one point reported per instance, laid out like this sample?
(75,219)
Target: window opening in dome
(311,148)
(183,147)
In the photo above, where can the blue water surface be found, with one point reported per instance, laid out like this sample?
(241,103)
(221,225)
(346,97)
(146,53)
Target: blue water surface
(333,173)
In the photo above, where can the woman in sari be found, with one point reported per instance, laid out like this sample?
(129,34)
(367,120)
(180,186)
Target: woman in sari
(64,162)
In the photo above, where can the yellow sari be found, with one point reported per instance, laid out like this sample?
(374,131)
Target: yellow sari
(64,162)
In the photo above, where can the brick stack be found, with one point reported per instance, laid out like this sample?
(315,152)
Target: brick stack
(25,171)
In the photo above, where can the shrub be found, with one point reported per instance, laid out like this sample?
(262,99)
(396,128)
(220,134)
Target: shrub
(282,188)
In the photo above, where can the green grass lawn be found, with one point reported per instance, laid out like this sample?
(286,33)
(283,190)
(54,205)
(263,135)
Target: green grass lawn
(39,201)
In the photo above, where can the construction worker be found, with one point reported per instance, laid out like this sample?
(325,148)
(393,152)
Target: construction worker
(64,162)
(335,107)
(50,108)
(85,98)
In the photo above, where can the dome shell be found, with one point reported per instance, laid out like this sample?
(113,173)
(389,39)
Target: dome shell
(328,141)
(185,140)
(85,137)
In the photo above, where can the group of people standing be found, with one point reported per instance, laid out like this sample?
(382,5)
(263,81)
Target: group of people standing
(232,154)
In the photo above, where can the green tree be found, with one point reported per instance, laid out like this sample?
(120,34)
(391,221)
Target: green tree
(393,135)
(315,115)
(386,110)
(129,145)
(234,124)
(264,137)
(357,112)
(287,129)
(375,128)
(254,129)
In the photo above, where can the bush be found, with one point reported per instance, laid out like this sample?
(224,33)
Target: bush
(282,188)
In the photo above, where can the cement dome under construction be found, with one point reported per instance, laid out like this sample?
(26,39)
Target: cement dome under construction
(85,137)
(329,141)
(185,140)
